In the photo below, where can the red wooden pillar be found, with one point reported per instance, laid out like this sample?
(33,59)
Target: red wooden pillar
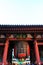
(28,50)
(5,52)
(37,53)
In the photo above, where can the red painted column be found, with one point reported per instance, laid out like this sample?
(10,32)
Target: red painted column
(5,52)
(28,50)
(37,53)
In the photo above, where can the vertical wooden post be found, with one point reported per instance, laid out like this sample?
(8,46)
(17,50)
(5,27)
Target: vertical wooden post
(5,52)
(28,49)
(37,53)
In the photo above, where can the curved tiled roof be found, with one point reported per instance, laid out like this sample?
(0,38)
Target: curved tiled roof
(20,28)
(14,26)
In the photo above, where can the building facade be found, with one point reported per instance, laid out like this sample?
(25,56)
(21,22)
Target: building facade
(21,44)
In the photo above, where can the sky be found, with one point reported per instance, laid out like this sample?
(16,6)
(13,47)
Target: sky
(23,12)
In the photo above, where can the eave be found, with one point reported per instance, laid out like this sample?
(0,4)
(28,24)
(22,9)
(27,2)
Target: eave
(21,28)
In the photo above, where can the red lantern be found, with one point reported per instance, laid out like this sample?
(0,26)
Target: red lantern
(22,49)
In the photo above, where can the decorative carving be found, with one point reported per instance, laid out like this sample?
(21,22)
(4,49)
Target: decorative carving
(38,36)
(2,36)
(11,36)
(29,36)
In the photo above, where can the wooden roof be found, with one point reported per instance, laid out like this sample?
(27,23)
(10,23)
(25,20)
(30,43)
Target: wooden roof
(21,28)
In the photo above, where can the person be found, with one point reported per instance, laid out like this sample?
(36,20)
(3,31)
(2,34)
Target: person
(27,64)
(32,63)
